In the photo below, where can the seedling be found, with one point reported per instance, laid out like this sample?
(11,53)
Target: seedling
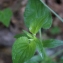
(36,16)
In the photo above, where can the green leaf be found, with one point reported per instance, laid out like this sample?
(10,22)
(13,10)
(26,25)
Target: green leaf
(20,35)
(49,60)
(36,16)
(22,50)
(55,30)
(5,16)
(28,34)
(39,44)
(48,23)
(25,33)
(35,59)
(52,43)
(52,10)
(40,47)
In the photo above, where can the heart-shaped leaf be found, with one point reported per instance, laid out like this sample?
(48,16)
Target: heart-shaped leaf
(36,16)
(52,43)
(23,50)
(5,16)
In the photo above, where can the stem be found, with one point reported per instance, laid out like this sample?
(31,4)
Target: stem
(52,10)
(40,35)
(42,49)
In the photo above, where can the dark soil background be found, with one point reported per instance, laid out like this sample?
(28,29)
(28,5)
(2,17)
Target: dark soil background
(17,25)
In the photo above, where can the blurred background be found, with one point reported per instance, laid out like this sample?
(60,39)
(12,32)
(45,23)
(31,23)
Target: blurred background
(17,25)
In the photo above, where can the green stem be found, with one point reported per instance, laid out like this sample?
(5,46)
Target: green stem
(52,10)
(42,49)
(40,35)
